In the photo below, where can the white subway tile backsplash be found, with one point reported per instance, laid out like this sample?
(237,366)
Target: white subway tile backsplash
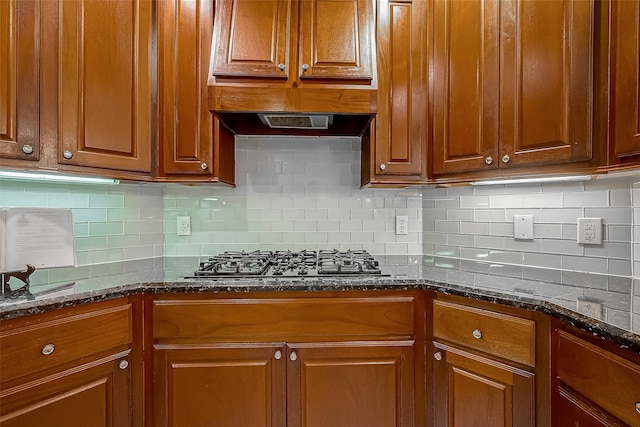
(586,199)
(536,200)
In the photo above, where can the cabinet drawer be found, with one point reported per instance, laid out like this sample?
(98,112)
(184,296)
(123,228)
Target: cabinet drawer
(65,339)
(502,335)
(284,318)
(606,379)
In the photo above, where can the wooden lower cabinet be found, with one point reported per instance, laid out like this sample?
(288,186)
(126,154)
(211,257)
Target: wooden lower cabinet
(93,394)
(572,410)
(76,366)
(350,384)
(471,390)
(323,360)
(596,383)
(226,385)
(341,384)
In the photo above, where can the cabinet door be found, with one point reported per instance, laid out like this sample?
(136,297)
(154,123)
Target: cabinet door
(204,385)
(252,38)
(351,384)
(546,81)
(625,81)
(19,67)
(400,139)
(335,39)
(105,84)
(470,390)
(574,411)
(186,124)
(466,86)
(94,394)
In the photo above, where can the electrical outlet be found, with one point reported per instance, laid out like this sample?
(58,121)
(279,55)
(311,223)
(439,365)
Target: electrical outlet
(402,224)
(590,231)
(590,308)
(184,226)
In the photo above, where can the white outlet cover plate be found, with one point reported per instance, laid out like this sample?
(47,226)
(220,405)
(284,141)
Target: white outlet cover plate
(589,308)
(590,231)
(402,224)
(523,227)
(184,226)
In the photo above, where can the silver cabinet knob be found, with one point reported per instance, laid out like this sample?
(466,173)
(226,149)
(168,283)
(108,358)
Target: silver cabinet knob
(278,355)
(27,149)
(48,349)
(488,160)
(438,355)
(382,166)
(477,333)
(293,356)
(67,154)
(305,67)
(204,166)
(281,67)
(123,364)
(506,158)
(638,407)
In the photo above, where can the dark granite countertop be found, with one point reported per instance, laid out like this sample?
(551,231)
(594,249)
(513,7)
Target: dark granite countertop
(85,291)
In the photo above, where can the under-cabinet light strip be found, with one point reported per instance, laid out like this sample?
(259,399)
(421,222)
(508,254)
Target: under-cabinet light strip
(536,180)
(55,177)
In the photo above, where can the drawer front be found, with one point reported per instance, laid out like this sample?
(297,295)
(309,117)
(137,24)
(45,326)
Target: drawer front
(502,335)
(608,380)
(41,346)
(285,318)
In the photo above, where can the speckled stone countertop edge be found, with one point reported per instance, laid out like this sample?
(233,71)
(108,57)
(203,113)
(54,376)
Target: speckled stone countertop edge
(621,337)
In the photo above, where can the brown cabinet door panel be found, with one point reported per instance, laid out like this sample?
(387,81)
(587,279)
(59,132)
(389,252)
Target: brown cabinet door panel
(400,136)
(546,91)
(335,39)
(95,394)
(252,38)
(466,86)
(625,81)
(231,386)
(572,410)
(105,84)
(346,385)
(19,67)
(470,390)
(186,124)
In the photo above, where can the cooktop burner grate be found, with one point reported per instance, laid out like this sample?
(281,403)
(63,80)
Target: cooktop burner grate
(289,264)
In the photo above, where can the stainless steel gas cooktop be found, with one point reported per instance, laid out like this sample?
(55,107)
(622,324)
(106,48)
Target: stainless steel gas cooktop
(289,264)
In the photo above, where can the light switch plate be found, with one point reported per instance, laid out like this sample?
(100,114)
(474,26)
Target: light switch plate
(590,231)
(523,227)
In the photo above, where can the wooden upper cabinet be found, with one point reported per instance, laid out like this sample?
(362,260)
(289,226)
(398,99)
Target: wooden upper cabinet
(335,39)
(546,81)
(19,83)
(398,141)
(513,84)
(192,145)
(314,56)
(105,84)
(258,38)
(625,82)
(253,38)
(466,86)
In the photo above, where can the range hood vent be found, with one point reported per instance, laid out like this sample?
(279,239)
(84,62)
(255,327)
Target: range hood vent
(297,121)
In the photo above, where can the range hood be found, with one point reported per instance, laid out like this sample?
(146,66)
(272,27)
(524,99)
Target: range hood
(297,121)
(294,124)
